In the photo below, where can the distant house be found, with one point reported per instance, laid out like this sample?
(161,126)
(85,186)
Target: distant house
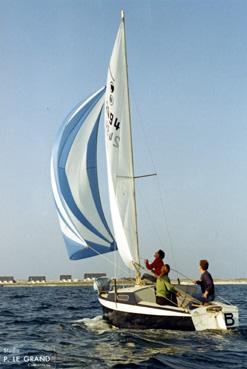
(65,278)
(37,279)
(7,279)
(94,275)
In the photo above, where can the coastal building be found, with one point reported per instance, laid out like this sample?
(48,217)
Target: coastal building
(65,278)
(94,275)
(37,279)
(7,279)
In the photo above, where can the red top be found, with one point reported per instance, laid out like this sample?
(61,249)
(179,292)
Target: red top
(155,266)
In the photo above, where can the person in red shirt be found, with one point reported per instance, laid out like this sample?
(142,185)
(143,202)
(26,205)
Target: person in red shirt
(155,266)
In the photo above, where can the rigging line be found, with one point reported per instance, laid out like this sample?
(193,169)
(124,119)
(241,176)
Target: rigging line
(161,242)
(150,219)
(191,280)
(104,257)
(183,275)
(145,175)
(139,265)
(185,295)
(227,301)
(170,241)
(166,222)
(115,265)
(137,177)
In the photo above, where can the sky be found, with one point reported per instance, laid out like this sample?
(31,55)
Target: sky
(188,88)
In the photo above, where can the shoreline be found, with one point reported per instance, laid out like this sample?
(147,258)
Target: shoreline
(121,281)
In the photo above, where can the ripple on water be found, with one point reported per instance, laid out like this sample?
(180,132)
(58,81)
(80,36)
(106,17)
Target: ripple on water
(67,321)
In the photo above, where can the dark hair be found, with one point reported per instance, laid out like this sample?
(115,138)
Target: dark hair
(204,264)
(167,268)
(161,254)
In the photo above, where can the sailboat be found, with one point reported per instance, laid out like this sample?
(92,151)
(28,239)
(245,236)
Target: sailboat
(84,226)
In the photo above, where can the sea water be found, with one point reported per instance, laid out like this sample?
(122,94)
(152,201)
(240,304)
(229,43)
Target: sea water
(62,327)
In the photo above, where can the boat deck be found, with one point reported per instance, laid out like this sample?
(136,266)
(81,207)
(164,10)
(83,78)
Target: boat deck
(154,304)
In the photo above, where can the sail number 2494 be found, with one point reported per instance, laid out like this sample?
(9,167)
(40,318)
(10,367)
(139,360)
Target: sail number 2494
(112,123)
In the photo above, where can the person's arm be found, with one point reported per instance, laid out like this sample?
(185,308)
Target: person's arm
(169,286)
(152,265)
(197,282)
(208,284)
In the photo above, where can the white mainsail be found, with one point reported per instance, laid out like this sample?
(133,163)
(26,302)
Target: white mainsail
(119,153)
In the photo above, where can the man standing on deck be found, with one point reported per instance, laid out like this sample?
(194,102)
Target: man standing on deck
(155,266)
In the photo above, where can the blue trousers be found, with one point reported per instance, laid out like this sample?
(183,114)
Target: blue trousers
(202,298)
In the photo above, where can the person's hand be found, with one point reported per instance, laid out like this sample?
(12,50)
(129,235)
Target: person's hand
(145,261)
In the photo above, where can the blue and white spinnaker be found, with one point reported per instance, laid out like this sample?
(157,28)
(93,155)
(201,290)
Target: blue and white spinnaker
(75,182)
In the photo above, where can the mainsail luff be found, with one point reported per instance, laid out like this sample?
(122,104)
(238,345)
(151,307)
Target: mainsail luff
(137,262)
(120,153)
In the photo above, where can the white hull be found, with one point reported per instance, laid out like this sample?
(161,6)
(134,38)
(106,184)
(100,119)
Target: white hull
(139,310)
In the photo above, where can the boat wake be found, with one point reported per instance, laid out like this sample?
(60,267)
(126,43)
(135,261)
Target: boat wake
(96,324)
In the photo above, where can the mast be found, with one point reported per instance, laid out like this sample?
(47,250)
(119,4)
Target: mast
(138,274)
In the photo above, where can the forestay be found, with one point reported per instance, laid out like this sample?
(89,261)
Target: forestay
(75,182)
(119,153)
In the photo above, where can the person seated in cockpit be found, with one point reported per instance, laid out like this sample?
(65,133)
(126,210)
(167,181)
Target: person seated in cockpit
(166,293)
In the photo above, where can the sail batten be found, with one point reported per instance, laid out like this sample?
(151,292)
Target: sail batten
(75,182)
